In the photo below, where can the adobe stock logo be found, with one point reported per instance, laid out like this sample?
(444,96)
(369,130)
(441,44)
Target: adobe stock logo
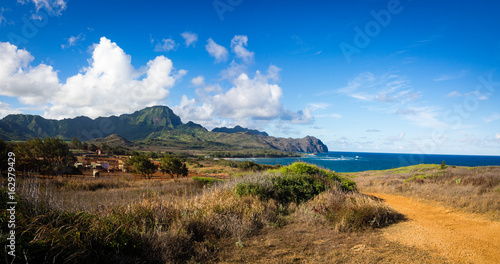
(372,29)
(223,6)
(31,26)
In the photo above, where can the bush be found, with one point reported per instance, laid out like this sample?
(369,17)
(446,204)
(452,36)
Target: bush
(250,166)
(297,183)
(309,169)
(285,188)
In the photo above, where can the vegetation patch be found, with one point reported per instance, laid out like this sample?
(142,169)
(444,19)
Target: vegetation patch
(163,223)
(419,178)
(206,181)
(284,188)
(349,212)
(88,185)
(301,168)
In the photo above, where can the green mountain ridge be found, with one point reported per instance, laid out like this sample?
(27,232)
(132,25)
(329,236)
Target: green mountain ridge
(238,129)
(157,125)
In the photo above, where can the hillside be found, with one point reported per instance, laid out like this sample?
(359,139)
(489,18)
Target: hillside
(152,126)
(112,141)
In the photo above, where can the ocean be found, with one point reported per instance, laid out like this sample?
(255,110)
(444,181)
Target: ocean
(363,161)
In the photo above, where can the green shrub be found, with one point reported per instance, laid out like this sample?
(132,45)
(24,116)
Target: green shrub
(312,170)
(297,188)
(206,181)
(246,189)
(250,166)
(285,188)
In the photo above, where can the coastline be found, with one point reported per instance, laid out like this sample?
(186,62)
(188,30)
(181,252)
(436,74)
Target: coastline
(366,161)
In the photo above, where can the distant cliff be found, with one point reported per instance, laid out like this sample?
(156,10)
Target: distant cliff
(308,144)
(153,125)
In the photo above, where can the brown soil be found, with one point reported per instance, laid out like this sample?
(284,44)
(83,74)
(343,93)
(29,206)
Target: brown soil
(460,237)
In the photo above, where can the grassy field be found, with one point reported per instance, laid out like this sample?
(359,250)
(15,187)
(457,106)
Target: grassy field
(125,220)
(471,189)
(300,213)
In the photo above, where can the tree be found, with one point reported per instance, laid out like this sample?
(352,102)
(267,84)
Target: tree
(142,165)
(93,147)
(443,165)
(75,143)
(105,148)
(173,166)
(50,156)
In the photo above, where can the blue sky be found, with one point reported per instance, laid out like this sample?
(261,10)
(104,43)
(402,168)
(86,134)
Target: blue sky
(377,76)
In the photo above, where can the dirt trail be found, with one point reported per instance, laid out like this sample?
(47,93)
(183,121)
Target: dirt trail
(460,237)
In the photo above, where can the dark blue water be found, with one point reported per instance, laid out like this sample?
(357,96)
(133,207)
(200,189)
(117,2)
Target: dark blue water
(362,161)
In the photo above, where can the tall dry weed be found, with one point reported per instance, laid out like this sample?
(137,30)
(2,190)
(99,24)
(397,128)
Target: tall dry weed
(349,212)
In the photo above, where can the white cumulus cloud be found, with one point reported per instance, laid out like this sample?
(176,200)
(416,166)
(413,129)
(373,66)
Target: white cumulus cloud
(190,38)
(250,97)
(217,51)
(31,85)
(238,44)
(248,101)
(198,81)
(189,110)
(111,85)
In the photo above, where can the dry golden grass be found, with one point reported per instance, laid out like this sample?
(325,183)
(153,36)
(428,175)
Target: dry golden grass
(152,221)
(472,189)
(175,221)
(349,212)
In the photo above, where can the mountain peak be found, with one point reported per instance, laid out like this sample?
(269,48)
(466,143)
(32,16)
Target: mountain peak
(158,115)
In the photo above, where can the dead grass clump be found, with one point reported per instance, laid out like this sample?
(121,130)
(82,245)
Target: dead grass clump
(190,229)
(349,212)
(169,246)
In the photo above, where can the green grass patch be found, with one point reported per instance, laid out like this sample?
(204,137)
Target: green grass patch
(413,168)
(421,177)
(206,181)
